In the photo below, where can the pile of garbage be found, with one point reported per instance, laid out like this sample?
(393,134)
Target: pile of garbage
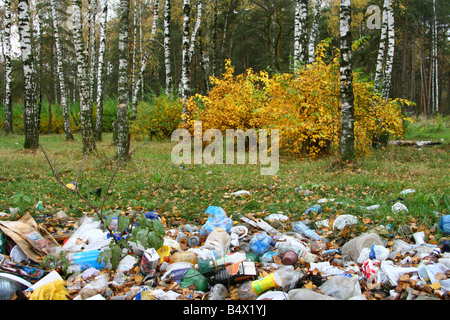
(270,258)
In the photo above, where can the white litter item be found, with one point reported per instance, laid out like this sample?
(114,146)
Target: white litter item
(399,207)
(373,207)
(341,287)
(127,263)
(307,294)
(428,272)
(52,276)
(16,278)
(419,237)
(324,200)
(389,272)
(276,216)
(323,223)
(17,255)
(273,295)
(380,253)
(325,268)
(240,230)
(344,220)
(96,297)
(408,191)
(88,231)
(239,193)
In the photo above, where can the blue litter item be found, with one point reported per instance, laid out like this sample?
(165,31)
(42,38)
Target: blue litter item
(261,243)
(152,215)
(444,224)
(302,228)
(317,208)
(217,218)
(88,259)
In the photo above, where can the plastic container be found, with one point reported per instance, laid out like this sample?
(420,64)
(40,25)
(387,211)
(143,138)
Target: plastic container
(444,224)
(289,258)
(208,265)
(341,287)
(8,288)
(285,277)
(182,256)
(299,250)
(375,252)
(354,247)
(218,241)
(88,259)
(303,229)
(261,243)
(218,292)
(306,294)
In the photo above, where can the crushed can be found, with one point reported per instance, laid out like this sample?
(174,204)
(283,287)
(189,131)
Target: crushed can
(149,262)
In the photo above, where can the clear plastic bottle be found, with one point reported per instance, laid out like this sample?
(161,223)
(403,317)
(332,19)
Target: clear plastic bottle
(218,241)
(218,292)
(285,277)
(302,228)
(182,256)
(354,247)
(8,288)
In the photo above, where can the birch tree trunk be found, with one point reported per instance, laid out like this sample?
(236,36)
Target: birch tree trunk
(314,32)
(185,71)
(8,69)
(92,37)
(144,61)
(123,142)
(347,148)
(382,48)
(435,89)
(29,118)
(87,132)
(300,33)
(60,73)
(196,27)
(390,52)
(167,15)
(100,70)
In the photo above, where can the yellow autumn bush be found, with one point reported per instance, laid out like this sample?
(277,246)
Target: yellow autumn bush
(304,107)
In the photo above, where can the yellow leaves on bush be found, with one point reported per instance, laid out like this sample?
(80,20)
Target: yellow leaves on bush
(304,106)
(156,119)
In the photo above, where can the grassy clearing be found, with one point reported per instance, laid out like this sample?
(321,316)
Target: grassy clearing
(151,181)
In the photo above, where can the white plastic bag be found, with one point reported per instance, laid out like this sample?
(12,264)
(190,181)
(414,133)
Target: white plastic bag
(341,287)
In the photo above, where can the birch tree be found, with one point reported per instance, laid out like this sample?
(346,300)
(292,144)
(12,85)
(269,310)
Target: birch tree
(435,64)
(167,15)
(87,132)
(185,71)
(300,33)
(385,56)
(8,69)
(144,61)
(123,142)
(60,73)
(314,32)
(100,70)
(29,117)
(347,147)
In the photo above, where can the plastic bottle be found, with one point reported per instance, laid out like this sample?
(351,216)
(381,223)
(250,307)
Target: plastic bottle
(213,264)
(182,256)
(302,228)
(261,243)
(8,288)
(285,277)
(218,292)
(434,255)
(218,241)
(354,247)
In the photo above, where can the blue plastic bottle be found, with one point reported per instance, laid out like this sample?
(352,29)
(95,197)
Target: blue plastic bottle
(301,228)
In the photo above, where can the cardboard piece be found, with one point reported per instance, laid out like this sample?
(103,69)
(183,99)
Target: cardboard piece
(34,240)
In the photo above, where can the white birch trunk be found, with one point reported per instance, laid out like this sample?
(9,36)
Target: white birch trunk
(435,93)
(8,69)
(87,132)
(167,14)
(100,70)
(382,48)
(314,32)
(347,149)
(185,71)
(29,118)
(389,54)
(144,61)
(60,73)
(93,65)
(123,142)
(300,33)
(196,27)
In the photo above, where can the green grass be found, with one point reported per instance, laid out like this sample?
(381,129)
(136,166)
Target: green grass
(151,181)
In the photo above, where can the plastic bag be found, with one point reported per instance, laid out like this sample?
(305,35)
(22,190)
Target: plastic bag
(261,243)
(54,290)
(217,218)
(341,287)
(193,277)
